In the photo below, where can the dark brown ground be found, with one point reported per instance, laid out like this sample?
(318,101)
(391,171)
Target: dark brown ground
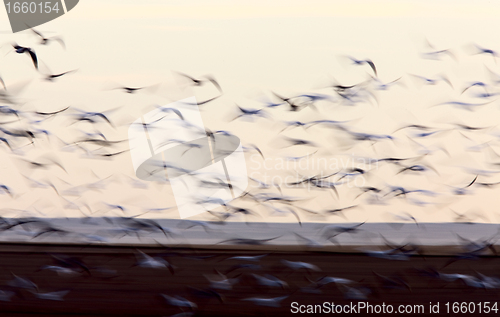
(128,290)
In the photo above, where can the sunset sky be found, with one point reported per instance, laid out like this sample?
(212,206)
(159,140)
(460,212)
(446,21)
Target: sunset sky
(254,48)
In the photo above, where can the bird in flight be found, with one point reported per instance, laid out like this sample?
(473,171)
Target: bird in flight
(199,82)
(46,40)
(364,61)
(51,77)
(21,50)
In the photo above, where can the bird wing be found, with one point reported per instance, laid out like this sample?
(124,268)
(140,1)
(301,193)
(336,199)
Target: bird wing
(33,58)
(372,65)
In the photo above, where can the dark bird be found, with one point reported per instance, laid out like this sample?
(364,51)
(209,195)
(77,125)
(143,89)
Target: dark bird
(361,136)
(294,107)
(414,126)
(4,140)
(200,82)
(9,110)
(19,133)
(179,301)
(293,124)
(91,115)
(5,189)
(99,142)
(436,55)
(330,279)
(187,224)
(339,211)
(294,142)
(474,84)
(401,191)
(463,190)
(296,265)
(3,83)
(489,185)
(253,147)
(464,105)
(250,113)
(351,172)
(51,77)
(247,241)
(332,231)
(253,258)
(395,282)
(392,254)
(46,40)
(269,302)
(20,282)
(112,154)
(175,111)
(51,113)
(57,295)
(269,281)
(35,164)
(364,61)
(417,168)
(310,179)
(481,50)
(432,81)
(468,127)
(381,86)
(71,262)
(369,189)
(206,293)
(146,261)
(50,230)
(130,90)
(286,210)
(342,88)
(327,123)
(199,103)
(21,50)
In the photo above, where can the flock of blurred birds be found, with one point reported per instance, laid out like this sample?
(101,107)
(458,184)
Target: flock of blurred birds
(22,131)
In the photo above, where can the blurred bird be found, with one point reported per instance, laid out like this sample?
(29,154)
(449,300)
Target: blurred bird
(179,301)
(46,40)
(202,81)
(268,302)
(57,296)
(21,50)
(364,61)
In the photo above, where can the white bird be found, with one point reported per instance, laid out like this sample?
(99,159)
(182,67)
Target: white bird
(147,261)
(330,279)
(300,265)
(253,258)
(20,282)
(179,301)
(354,293)
(270,281)
(269,302)
(220,281)
(60,270)
(51,295)
(6,295)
